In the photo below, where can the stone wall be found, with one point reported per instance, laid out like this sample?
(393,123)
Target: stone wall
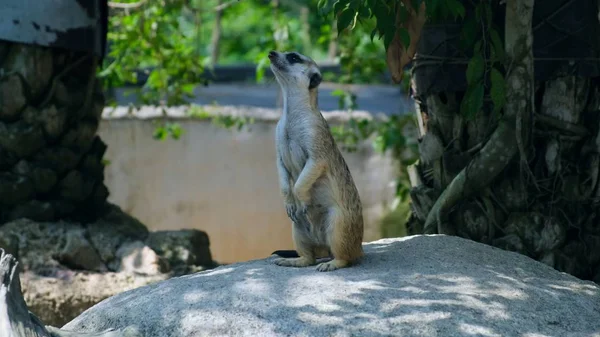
(223,182)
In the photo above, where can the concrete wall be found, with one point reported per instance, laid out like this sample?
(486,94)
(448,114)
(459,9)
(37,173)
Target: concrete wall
(221,181)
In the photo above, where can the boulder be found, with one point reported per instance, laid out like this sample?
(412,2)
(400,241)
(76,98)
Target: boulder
(67,267)
(136,257)
(184,249)
(414,286)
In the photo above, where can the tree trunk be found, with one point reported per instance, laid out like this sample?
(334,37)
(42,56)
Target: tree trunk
(527,182)
(332,48)
(304,21)
(50,156)
(216,36)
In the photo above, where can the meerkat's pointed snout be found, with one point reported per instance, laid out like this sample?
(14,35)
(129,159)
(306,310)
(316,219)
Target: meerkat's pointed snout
(272,54)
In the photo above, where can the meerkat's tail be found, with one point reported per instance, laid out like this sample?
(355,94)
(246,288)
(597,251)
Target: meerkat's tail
(286,253)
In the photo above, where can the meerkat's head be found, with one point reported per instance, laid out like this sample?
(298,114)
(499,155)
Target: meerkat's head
(295,71)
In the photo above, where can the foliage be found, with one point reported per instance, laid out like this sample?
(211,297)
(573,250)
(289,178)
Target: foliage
(158,38)
(480,38)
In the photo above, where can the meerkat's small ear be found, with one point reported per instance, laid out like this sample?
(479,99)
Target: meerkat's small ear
(315,80)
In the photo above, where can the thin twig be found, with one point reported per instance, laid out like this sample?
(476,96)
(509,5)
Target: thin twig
(132,5)
(225,5)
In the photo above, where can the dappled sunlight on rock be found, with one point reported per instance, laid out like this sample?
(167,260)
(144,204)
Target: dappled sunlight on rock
(195,296)
(215,272)
(418,286)
(253,287)
(477,330)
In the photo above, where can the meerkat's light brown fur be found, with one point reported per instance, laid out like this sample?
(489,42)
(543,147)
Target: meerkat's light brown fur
(318,190)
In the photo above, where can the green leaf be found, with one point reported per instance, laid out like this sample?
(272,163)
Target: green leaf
(497,43)
(472,102)
(340,5)
(344,19)
(497,90)
(188,88)
(477,47)
(160,133)
(475,69)
(404,37)
(456,8)
(468,33)
(364,12)
(373,34)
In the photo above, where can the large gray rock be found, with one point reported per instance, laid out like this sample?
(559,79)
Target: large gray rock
(415,286)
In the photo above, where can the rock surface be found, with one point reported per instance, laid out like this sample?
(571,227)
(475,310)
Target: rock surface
(184,249)
(415,286)
(57,299)
(67,267)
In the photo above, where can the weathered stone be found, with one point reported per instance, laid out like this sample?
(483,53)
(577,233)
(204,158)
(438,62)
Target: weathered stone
(182,248)
(59,159)
(14,188)
(97,107)
(412,286)
(7,159)
(78,253)
(33,64)
(81,136)
(10,243)
(53,121)
(113,229)
(21,138)
(98,147)
(12,98)
(62,207)
(57,300)
(92,166)
(43,179)
(38,243)
(136,257)
(22,168)
(75,187)
(34,210)
(69,93)
(100,194)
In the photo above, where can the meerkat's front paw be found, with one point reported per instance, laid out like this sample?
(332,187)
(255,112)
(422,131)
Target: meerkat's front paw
(332,265)
(295,262)
(291,210)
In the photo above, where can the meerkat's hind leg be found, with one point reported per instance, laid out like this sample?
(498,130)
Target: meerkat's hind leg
(333,265)
(345,242)
(298,262)
(305,250)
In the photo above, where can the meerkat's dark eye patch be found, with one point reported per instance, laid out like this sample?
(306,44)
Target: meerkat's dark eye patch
(293,58)
(315,80)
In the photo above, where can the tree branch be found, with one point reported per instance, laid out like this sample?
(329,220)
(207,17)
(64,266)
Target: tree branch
(504,142)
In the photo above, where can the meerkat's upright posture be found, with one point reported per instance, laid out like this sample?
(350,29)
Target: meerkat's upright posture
(319,193)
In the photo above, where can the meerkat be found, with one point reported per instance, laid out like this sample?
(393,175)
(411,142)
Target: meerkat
(318,190)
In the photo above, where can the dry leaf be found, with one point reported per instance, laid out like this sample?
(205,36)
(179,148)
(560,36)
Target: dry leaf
(397,56)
